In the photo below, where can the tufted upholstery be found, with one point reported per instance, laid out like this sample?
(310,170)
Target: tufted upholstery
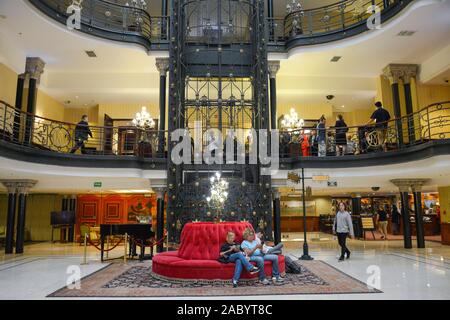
(199,251)
(202,241)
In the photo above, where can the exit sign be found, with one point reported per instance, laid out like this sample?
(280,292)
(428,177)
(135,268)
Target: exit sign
(97,184)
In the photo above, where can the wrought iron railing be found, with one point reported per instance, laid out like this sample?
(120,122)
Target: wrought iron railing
(113,21)
(428,124)
(123,23)
(340,17)
(20,128)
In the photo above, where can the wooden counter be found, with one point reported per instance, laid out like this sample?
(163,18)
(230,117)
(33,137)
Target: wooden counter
(295,224)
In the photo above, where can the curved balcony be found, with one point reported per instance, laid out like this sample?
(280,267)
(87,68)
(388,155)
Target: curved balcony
(112,21)
(418,136)
(333,22)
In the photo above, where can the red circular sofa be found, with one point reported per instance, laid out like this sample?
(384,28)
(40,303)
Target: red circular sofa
(199,251)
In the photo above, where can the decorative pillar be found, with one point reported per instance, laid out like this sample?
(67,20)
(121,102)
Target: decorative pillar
(33,69)
(403,185)
(356,204)
(276,216)
(160,192)
(164,13)
(270,15)
(18,109)
(72,207)
(11,215)
(162,64)
(416,187)
(393,73)
(22,189)
(274,67)
(410,71)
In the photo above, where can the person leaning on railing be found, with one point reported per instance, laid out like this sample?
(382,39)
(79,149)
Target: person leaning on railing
(380,117)
(82,134)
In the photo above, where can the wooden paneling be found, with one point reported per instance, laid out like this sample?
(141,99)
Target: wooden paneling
(295,224)
(445,233)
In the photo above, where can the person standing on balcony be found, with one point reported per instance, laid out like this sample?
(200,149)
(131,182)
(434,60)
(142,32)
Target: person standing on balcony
(321,136)
(341,135)
(82,134)
(343,227)
(380,117)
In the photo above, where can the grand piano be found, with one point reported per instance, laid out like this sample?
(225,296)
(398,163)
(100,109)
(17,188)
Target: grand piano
(138,233)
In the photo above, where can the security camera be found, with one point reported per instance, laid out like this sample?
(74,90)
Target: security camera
(446,80)
(330,97)
(375,188)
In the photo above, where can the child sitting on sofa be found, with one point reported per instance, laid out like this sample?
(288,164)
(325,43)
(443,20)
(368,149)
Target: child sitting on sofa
(268,249)
(231,252)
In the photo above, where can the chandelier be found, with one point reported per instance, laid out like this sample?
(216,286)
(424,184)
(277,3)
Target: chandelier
(291,121)
(143,119)
(219,191)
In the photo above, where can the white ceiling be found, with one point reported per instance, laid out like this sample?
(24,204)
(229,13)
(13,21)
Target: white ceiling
(127,73)
(79,180)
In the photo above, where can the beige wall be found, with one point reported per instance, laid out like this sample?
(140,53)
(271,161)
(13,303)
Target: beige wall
(49,108)
(37,223)
(8,84)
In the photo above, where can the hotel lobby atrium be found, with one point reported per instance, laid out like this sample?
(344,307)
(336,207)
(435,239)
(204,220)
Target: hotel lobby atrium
(225,150)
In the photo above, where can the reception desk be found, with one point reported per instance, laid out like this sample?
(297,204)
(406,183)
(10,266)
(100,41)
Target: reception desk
(295,224)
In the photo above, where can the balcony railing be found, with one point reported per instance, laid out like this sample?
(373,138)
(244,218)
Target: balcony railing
(332,22)
(319,25)
(33,132)
(113,21)
(429,124)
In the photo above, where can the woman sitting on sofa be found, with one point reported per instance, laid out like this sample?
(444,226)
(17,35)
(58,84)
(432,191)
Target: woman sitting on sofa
(231,252)
(252,249)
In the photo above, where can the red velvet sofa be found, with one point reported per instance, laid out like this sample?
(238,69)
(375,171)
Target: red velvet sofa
(199,251)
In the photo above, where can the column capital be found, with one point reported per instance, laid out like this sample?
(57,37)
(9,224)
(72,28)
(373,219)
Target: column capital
(396,71)
(417,184)
(162,64)
(34,68)
(274,67)
(402,184)
(19,186)
(160,191)
(276,193)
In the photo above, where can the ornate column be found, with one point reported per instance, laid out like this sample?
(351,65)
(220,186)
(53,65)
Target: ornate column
(11,215)
(18,105)
(416,187)
(162,64)
(274,67)
(160,193)
(33,69)
(276,215)
(23,186)
(164,13)
(393,72)
(403,185)
(409,72)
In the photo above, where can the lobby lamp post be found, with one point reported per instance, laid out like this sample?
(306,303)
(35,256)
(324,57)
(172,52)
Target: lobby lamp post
(305,255)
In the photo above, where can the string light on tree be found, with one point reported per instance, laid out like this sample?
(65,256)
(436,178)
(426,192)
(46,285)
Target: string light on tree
(219,192)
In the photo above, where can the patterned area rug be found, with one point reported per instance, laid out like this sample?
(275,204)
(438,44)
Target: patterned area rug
(137,280)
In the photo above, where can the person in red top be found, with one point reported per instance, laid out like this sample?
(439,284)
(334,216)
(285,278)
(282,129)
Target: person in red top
(305,146)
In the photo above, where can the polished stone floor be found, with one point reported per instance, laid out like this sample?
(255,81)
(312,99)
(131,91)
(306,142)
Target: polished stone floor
(399,273)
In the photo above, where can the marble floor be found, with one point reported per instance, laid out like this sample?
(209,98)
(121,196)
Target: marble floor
(398,273)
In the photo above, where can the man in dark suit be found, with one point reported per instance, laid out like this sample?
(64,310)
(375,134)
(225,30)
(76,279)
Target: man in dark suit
(82,134)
